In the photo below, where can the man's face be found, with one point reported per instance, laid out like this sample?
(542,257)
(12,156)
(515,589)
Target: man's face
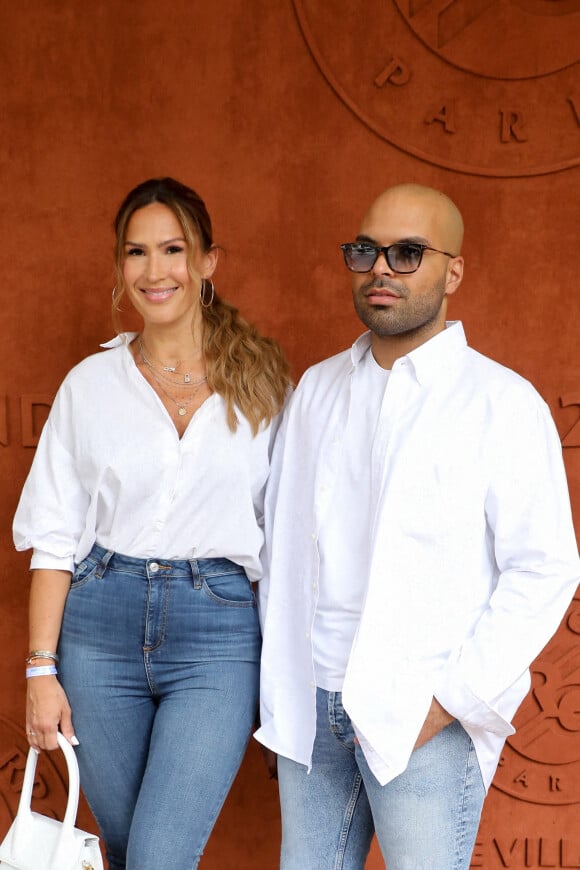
(389,303)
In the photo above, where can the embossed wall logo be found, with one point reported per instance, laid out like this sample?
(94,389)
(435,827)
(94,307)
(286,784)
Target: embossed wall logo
(541,762)
(487,87)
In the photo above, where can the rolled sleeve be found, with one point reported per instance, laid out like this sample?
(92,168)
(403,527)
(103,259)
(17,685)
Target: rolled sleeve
(53,505)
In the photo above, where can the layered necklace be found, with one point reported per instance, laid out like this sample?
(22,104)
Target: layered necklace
(162,376)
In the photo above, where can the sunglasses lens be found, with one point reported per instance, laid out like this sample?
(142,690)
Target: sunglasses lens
(405,258)
(359,258)
(402,257)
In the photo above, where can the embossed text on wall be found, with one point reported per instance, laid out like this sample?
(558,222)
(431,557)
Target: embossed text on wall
(474,86)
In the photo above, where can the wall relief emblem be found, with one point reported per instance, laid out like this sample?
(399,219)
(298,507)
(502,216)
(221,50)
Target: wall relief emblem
(486,87)
(49,794)
(541,761)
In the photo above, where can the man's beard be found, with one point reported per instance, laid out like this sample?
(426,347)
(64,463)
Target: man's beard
(400,317)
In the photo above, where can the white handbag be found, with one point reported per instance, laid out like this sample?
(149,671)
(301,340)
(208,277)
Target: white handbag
(37,842)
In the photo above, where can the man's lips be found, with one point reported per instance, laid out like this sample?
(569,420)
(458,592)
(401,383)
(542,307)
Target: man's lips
(380,293)
(374,292)
(381,297)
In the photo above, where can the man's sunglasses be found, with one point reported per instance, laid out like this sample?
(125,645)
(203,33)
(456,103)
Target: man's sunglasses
(402,257)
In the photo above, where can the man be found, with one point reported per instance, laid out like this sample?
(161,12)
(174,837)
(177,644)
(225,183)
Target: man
(421,553)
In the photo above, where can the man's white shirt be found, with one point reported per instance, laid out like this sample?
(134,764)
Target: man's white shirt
(471,562)
(344,539)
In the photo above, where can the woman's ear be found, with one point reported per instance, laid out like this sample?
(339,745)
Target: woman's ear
(210,262)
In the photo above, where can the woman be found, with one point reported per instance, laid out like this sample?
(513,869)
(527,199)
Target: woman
(144,507)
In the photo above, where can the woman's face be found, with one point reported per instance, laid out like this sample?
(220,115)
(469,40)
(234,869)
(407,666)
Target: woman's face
(155,267)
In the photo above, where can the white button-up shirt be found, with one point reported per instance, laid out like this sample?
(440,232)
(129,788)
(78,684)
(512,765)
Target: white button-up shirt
(343,540)
(473,556)
(111,468)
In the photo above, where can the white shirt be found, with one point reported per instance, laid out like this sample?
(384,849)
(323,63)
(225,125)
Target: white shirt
(473,555)
(110,468)
(344,540)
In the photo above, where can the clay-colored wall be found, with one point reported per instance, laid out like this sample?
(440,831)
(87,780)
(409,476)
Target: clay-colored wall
(289,117)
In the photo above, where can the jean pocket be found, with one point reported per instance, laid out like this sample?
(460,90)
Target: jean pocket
(230,590)
(83,572)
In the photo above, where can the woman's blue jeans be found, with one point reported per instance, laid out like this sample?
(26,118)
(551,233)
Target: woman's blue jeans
(425,819)
(160,663)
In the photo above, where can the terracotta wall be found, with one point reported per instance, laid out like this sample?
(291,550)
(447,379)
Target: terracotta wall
(289,118)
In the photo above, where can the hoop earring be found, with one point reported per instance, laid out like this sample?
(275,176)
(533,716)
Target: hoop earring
(202,293)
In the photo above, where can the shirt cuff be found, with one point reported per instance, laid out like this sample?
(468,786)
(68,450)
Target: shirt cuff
(41,559)
(460,702)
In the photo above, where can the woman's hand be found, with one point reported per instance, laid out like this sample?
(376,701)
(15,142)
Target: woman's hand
(47,707)
(47,711)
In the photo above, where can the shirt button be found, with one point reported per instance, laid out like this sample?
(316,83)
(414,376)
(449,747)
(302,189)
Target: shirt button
(313,536)
(312,684)
(154,567)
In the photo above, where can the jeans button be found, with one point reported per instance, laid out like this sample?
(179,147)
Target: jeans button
(154,567)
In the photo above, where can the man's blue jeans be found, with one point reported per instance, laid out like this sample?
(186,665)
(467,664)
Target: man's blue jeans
(425,819)
(160,662)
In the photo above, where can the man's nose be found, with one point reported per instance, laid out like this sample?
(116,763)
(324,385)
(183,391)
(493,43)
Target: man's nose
(381,266)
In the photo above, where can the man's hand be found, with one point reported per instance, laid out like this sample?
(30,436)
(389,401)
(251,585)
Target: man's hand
(437,719)
(271,760)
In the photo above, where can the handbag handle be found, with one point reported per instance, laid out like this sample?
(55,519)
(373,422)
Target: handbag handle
(24,810)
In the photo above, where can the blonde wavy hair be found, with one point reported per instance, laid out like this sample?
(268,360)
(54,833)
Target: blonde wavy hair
(249,371)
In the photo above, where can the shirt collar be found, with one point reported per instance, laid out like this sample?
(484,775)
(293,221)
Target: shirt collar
(123,338)
(360,347)
(427,359)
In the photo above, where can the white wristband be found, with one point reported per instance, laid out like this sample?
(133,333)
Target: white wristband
(41,671)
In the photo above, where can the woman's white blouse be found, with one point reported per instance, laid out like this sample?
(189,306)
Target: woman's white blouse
(110,468)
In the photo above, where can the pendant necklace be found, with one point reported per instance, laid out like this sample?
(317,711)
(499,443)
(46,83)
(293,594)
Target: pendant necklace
(183,404)
(167,369)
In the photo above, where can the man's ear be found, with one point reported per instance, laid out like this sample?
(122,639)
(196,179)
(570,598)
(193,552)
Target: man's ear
(454,275)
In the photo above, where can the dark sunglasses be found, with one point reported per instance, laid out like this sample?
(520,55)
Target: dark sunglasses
(402,257)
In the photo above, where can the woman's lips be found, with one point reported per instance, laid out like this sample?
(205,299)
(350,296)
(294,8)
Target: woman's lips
(158,294)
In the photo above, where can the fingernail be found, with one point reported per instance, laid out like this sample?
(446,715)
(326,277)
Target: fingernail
(74,741)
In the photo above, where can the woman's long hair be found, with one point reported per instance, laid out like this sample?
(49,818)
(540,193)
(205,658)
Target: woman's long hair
(246,369)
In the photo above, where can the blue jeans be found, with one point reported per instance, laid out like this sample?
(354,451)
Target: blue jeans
(425,819)
(160,663)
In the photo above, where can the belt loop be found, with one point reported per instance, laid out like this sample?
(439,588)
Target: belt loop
(194,565)
(102,566)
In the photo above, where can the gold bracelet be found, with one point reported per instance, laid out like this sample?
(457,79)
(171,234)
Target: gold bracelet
(41,654)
